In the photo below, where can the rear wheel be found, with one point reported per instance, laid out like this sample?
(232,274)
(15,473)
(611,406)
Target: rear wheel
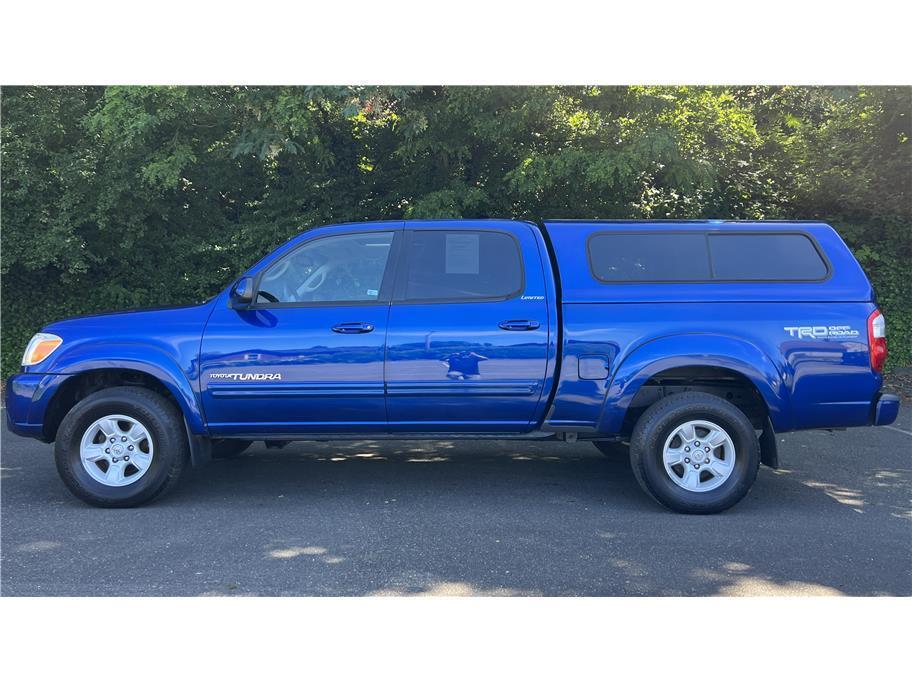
(121,447)
(695,453)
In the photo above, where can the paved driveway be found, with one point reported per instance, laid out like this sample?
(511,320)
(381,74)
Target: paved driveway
(494,518)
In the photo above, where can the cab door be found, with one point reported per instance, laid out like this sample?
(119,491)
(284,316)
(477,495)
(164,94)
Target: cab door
(307,355)
(467,343)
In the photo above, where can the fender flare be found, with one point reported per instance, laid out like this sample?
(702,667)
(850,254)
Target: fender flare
(141,358)
(682,350)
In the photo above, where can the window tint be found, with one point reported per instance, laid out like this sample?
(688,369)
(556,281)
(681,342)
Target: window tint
(462,265)
(649,257)
(344,268)
(765,257)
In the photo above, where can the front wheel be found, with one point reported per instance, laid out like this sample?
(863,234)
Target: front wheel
(121,447)
(695,453)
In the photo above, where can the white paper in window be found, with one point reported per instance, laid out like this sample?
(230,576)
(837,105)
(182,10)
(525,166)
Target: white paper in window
(462,254)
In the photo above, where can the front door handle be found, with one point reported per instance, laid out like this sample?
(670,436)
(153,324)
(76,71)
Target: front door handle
(353,328)
(519,325)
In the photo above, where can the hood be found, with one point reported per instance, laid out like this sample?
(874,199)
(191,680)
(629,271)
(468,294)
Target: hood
(112,321)
(175,330)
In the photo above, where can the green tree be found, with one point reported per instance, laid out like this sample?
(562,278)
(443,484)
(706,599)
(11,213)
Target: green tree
(129,196)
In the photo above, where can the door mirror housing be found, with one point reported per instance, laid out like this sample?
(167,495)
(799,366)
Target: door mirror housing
(242,293)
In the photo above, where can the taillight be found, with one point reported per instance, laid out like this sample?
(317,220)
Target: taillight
(877,340)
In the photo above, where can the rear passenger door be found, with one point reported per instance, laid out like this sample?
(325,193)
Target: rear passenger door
(467,340)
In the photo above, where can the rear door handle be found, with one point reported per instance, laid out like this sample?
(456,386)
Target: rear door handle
(353,328)
(519,325)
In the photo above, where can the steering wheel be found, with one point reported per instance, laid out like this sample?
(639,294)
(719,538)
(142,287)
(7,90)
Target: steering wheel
(280,270)
(269,297)
(315,281)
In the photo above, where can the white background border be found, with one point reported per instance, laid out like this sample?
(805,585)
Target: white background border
(464,42)
(458,42)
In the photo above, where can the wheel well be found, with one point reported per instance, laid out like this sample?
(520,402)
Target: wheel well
(725,383)
(81,385)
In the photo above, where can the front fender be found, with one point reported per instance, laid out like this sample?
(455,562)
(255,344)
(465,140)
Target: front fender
(684,350)
(138,357)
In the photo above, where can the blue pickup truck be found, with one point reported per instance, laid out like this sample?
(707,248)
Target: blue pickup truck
(688,344)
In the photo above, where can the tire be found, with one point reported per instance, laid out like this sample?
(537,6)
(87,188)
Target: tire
(226,448)
(613,449)
(682,487)
(158,447)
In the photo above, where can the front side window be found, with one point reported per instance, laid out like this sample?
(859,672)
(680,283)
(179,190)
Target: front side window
(462,265)
(341,269)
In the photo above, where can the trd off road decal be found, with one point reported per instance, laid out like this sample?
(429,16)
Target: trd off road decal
(833,331)
(246,376)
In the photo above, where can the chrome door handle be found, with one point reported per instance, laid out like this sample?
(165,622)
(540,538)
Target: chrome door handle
(353,328)
(519,325)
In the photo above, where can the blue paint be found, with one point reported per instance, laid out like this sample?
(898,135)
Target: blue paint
(389,366)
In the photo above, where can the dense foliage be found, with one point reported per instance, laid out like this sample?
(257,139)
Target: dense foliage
(130,196)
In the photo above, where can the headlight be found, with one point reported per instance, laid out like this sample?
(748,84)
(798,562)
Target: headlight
(39,348)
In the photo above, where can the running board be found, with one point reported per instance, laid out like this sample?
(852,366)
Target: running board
(530,435)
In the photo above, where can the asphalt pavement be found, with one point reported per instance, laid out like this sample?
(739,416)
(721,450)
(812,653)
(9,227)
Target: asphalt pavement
(476,518)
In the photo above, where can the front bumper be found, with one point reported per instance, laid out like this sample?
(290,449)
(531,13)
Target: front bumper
(27,398)
(885,409)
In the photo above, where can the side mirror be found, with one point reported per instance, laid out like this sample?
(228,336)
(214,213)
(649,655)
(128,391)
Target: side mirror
(242,293)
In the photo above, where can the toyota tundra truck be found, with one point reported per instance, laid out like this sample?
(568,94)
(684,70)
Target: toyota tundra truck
(687,344)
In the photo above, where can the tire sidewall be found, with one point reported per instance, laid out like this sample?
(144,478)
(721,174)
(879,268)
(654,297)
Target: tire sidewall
(132,404)
(651,445)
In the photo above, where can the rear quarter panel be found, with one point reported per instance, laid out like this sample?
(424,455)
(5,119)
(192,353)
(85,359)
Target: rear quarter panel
(806,383)
(807,380)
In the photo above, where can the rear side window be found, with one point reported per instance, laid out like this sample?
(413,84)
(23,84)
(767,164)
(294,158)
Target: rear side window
(462,265)
(649,257)
(705,257)
(770,257)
